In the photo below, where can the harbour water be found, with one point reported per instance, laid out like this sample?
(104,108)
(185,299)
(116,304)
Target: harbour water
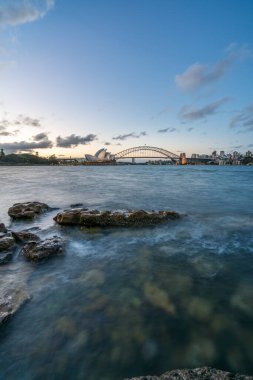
(130,302)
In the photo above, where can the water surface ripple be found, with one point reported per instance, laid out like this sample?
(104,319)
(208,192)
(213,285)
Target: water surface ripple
(128,302)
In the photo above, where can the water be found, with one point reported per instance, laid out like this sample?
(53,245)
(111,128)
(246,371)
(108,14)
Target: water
(128,302)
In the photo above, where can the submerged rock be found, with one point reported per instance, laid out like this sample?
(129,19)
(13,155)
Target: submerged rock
(36,251)
(158,298)
(11,299)
(113,218)
(199,308)
(93,277)
(242,300)
(25,236)
(27,210)
(65,326)
(204,373)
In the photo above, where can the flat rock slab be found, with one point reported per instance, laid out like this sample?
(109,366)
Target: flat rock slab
(204,373)
(27,210)
(11,300)
(97,218)
(36,251)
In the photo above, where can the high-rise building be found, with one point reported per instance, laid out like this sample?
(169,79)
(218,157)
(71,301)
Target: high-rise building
(183,159)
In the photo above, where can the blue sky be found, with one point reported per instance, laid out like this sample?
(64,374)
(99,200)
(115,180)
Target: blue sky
(79,75)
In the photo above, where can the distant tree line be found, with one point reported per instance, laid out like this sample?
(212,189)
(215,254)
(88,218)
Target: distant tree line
(27,159)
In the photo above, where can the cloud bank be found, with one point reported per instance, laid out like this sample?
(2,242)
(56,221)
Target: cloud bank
(27,145)
(40,136)
(17,12)
(74,140)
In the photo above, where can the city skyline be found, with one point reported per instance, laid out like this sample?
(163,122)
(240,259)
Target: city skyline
(79,76)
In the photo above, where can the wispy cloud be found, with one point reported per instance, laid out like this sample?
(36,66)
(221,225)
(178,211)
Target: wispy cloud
(10,127)
(130,135)
(165,130)
(5,133)
(199,75)
(21,120)
(163,111)
(74,140)
(243,121)
(17,12)
(4,124)
(190,129)
(191,114)
(28,121)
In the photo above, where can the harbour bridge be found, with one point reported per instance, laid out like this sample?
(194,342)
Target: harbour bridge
(146,152)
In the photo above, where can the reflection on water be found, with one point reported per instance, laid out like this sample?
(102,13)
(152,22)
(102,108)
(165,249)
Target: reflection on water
(128,302)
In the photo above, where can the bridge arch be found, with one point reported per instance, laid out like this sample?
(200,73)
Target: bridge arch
(146,152)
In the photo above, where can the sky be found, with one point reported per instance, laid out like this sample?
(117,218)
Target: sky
(76,76)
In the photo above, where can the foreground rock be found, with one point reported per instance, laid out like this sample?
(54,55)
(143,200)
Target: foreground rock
(7,247)
(204,373)
(36,251)
(11,299)
(27,210)
(7,242)
(94,218)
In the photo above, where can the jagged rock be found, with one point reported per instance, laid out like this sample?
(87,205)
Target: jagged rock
(25,236)
(7,242)
(204,373)
(27,210)
(11,299)
(113,218)
(36,251)
(3,228)
(75,205)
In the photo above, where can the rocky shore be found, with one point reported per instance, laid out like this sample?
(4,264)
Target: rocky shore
(204,373)
(25,243)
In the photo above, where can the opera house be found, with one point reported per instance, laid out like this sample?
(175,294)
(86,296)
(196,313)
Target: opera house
(101,156)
